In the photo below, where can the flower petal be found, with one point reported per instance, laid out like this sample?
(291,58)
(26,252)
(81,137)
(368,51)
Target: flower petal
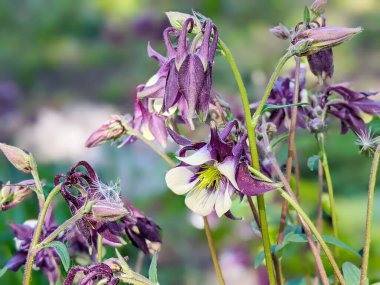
(228,169)
(201,201)
(223,201)
(178,180)
(199,157)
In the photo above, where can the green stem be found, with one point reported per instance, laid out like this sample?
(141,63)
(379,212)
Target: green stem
(213,252)
(368,224)
(251,127)
(37,233)
(99,248)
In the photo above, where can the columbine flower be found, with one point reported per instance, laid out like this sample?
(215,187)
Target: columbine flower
(322,63)
(313,40)
(214,172)
(12,195)
(185,74)
(97,272)
(353,108)
(111,130)
(142,231)
(46,259)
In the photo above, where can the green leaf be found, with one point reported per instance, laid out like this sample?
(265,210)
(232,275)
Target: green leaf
(3,270)
(306,15)
(62,252)
(312,162)
(351,274)
(259,259)
(153,269)
(269,107)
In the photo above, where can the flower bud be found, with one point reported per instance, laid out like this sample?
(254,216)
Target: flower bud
(311,41)
(12,195)
(280,32)
(321,63)
(110,130)
(19,158)
(177,19)
(103,210)
(316,125)
(318,6)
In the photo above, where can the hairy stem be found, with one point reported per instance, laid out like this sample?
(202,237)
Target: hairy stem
(37,233)
(251,128)
(139,261)
(368,224)
(213,252)
(99,246)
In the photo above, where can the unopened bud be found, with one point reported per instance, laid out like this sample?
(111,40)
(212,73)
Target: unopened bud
(110,130)
(177,19)
(316,125)
(280,32)
(318,6)
(12,195)
(322,63)
(311,41)
(103,210)
(19,158)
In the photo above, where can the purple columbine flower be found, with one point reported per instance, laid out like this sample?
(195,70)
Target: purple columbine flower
(91,274)
(46,259)
(185,74)
(214,172)
(351,107)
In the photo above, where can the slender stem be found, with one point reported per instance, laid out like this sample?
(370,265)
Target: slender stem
(330,189)
(213,252)
(368,224)
(139,261)
(99,246)
(251,127)
(37,233)
(61,228)
(291,147)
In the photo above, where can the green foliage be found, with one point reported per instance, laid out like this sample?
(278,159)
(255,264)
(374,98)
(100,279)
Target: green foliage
(62,251)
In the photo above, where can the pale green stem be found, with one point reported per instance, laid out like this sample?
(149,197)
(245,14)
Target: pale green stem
(368,224)
(99,248)
(37,233)
(251,128)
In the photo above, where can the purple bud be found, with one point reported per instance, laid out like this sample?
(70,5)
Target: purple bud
(322,63)
(106,211)
(316,125)
(19,158)
(280,32)
(318,6)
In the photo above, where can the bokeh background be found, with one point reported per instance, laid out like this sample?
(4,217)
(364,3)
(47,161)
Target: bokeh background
(65,66)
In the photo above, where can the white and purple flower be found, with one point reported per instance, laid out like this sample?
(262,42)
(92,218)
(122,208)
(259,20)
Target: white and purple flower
(214,172)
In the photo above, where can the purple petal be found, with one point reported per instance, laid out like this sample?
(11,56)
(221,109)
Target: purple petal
(155,55)
(180,140)
(250,185)
(204,98)
(204,50)
(182,42)
(21,232)
(16,261)
(157,127)
(169,47)
(172,87)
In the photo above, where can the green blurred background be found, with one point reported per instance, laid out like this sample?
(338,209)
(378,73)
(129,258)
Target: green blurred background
(65,66)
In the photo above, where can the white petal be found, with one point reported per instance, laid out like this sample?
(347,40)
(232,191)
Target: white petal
(146,132)
(223,202)
(201,201)
(178,180)
(197,158)
(227,168)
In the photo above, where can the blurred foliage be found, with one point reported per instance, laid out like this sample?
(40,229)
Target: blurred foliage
(63,52)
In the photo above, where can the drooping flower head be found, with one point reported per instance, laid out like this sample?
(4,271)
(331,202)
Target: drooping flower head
(214,171)
(13,194)
(97,272)
(46,259)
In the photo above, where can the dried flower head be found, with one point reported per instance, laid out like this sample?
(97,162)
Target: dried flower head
(367,141)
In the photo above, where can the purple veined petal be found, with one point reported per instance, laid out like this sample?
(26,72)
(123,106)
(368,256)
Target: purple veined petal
(184,113)
(223,200)
(21,231)
(250,185)
(199,157)
(180,180)
(228,128)
(16,261)
(239,147)
(201,201)
(205,95)
(204,49)
(214,45)
(153,90)
(191,78)
(219,148)
(228,169)
(177,138)
(171,51)
(182,49)
(196,146)
(172,94)
(157,127)
(369,106)
(155,55)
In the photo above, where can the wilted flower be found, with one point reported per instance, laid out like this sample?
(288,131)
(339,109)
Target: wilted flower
(280,32)
(313,40)
(88,275)
(19,158)
(46,259)
(142,231)
(214,172)
(13,194)
(111,130)
(351,108)
(367,142)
